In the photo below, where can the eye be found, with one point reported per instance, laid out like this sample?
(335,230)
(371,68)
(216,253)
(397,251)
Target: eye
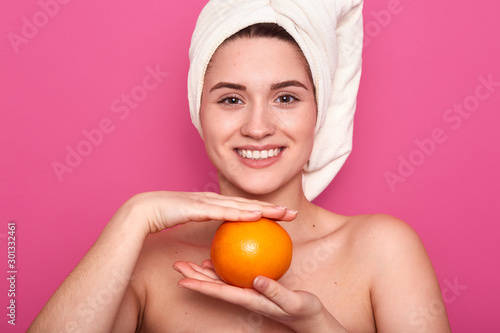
(231,100)
(286,99)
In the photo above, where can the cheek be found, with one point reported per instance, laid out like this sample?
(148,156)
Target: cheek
(208,119)
(207,129)
(209,134)
(305,127)
(303,124)
(308,142)
(216,128)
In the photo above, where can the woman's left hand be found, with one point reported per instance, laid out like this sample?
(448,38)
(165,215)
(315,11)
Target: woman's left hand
(299,310)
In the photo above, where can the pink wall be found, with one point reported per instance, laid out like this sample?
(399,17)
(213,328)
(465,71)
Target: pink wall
(65,68)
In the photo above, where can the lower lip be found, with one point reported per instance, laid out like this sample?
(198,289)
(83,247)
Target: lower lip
(259,164)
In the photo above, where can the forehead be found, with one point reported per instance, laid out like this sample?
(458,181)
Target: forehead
(258,58)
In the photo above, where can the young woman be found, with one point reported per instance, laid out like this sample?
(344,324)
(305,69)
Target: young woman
(258,117)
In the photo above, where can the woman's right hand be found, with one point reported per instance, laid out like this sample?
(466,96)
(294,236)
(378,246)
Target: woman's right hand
(163,210)
(117,249)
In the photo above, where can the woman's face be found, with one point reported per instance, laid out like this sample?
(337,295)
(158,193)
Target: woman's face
(258,114)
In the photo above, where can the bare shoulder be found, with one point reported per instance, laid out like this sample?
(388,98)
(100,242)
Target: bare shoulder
(131,311)
(373,234)
(383,233)
(387,245)
(158,253)
(154,261)
(402,278)
(154,266)
(378,224)
(150,291)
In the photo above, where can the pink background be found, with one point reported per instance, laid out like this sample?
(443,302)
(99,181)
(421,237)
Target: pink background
(420,59)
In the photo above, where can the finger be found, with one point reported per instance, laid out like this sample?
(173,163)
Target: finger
(246,297)
(278,213)
(207,211)
(290,215)
(249,298)
(232,201)
(207,263)
(289,301)
(268,210)
(238,199)
(193,271)
(292,303)
(207,271)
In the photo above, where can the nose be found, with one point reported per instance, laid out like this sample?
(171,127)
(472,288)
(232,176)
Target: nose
(260,122)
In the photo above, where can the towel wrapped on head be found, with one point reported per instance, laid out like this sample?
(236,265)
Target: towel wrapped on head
(330,35)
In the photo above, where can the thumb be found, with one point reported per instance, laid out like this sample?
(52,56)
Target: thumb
(275,292)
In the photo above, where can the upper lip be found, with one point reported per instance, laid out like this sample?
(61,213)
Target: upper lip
(259,147)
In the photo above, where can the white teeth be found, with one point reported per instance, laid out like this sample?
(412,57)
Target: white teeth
(258,154)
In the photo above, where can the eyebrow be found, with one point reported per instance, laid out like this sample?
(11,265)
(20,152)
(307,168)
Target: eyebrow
(285,84)
(229,85)
(276,86)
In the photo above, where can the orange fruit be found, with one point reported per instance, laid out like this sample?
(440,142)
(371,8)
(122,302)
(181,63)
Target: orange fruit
(243,250)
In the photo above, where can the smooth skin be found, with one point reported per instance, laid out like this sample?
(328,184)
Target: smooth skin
(348,274)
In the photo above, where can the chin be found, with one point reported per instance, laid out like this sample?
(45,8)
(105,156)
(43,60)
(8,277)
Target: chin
(257,189)
(260,183)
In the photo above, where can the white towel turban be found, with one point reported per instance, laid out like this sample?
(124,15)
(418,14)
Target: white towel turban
(330,34)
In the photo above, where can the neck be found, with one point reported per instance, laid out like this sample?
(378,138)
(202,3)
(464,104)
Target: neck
(290,195)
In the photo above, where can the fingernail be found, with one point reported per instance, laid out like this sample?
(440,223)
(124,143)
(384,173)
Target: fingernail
(294,212)
(279,207)
(256,212)
(259,282)
(176,269)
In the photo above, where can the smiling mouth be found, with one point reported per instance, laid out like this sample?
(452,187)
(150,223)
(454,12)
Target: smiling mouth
(259,154)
